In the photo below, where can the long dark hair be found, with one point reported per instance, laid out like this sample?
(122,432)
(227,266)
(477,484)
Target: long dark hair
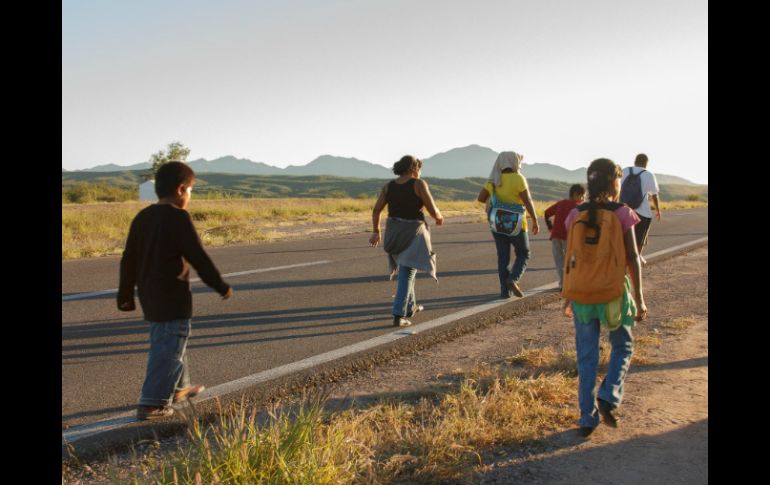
(601,175)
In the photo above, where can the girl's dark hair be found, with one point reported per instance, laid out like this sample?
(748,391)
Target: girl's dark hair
(576,189)
(170,175)
(407,164)
(601,174)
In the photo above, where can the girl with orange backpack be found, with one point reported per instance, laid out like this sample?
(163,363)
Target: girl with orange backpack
(601,246)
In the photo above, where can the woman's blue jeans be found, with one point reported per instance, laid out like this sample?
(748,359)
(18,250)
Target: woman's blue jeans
(611,389)
(405,300)
(503,244)
(167,363)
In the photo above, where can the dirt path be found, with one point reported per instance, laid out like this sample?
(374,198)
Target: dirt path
(663,433)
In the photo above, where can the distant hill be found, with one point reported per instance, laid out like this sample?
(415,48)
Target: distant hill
(269,186)
(554,172)
(230,164)
(469,161)
(111,167)
(341,167)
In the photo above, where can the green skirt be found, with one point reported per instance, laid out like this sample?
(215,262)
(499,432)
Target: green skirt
(613,314)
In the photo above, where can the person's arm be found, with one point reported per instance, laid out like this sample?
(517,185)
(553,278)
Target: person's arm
(550,212)
(657,206)
(374,240)
(531,209)
(654,190)
(423,192)
(127,276)
(484,196)
(192,250)
(635,271)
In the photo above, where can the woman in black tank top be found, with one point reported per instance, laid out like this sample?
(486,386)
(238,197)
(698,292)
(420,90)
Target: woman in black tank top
(405,198)
(403,201)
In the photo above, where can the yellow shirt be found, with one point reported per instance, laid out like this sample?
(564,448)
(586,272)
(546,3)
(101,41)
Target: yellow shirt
(512,184)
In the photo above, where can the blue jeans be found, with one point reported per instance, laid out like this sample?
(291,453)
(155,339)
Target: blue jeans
(405,300)
(503,244)
(611,389)
(167,362)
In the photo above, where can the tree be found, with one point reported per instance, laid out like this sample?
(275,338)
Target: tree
(175,152)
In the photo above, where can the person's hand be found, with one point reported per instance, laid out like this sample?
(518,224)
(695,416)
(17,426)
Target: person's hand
(567,309)
(657,214)
(127,306)
(228,294)
(535,227)
(374,240)
(439,219)
(641,311)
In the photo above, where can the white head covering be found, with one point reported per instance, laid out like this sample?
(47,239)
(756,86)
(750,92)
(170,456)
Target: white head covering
(504,160)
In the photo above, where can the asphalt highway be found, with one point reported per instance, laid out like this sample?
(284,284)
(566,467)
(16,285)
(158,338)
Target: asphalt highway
(292,300)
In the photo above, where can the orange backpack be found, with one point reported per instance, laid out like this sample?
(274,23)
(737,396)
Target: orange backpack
(595,262)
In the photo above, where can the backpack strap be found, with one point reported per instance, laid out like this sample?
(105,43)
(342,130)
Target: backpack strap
(610,206)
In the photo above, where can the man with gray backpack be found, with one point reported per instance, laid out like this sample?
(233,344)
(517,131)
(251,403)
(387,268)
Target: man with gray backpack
(636,185)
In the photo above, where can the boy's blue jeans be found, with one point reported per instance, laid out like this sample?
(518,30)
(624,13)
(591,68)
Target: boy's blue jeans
(405,299)
(167,362)
(611,389)
(503,244)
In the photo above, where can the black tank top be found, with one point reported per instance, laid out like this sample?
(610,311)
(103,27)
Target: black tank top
(403,202)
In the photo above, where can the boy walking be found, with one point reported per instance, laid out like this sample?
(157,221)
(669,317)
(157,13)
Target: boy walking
(161,242)
(559,212)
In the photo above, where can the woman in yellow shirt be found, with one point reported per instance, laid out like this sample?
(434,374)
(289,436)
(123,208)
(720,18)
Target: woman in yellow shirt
(510,187)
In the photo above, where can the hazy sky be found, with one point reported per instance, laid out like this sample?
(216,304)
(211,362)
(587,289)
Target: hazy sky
(285,81)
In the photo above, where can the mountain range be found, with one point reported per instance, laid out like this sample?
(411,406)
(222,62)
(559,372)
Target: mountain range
(469,161)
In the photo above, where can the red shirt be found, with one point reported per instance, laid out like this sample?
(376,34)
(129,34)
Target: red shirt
(560,209)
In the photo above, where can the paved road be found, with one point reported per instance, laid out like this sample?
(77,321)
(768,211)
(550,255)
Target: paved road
(341,296)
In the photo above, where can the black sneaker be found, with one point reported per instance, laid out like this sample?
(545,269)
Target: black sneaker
(399,321)
(585,431)
(607,411)
(415,310)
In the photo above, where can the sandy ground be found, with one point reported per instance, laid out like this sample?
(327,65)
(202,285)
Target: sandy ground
(663,433)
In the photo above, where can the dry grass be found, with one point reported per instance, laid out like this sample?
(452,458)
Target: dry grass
(100,229)
(429,440)
(436,437)
(678,326)
(683,204)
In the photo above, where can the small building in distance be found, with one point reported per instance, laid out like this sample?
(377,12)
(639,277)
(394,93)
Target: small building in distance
(147,191)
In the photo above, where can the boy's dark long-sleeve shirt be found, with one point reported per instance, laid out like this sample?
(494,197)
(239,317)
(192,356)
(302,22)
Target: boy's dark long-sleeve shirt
(161,242)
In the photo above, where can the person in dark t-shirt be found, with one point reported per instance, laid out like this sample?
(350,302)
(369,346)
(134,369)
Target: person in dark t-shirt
(162,244)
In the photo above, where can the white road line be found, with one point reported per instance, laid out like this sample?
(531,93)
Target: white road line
(228,275)
(78,432)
